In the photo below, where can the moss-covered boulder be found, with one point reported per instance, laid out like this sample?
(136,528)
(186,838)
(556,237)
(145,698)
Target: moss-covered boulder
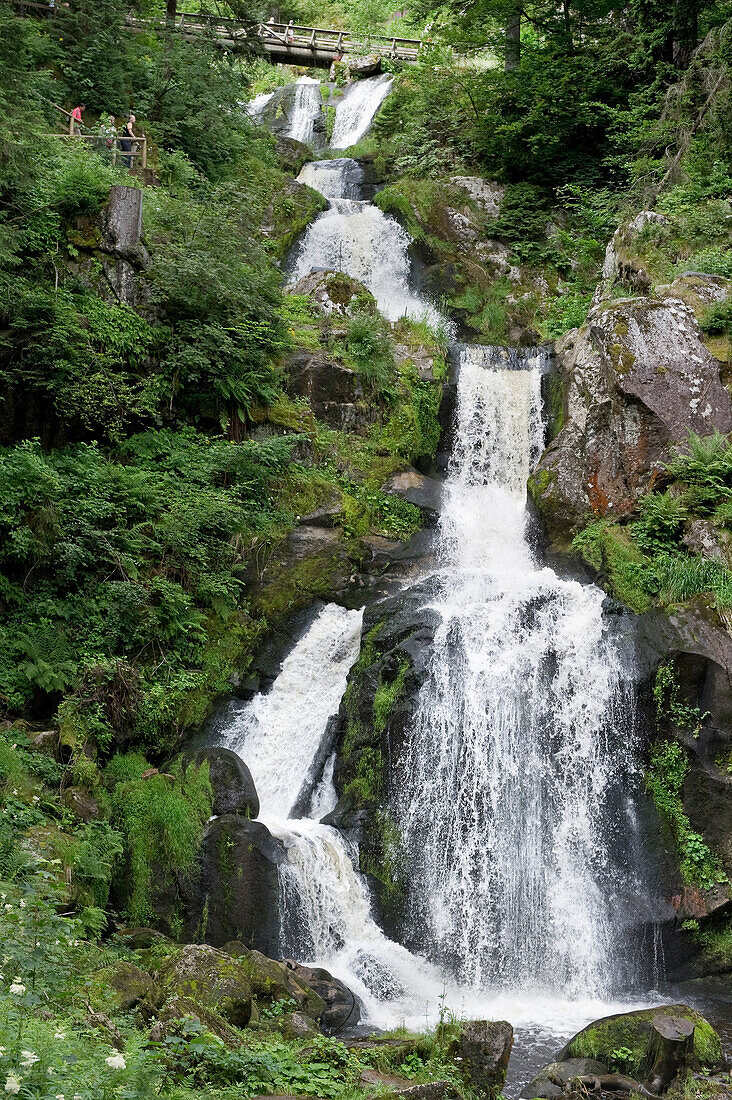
(630,1032)
(274,983)
(231,781)
(175,1014)
(122,987)
(551,1081)
(210,979)
(481,1050)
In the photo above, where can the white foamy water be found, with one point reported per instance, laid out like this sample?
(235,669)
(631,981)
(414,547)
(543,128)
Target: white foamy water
(356,110)
(280,732)
(358,239)
(305,110)
(255,107)
(511,787)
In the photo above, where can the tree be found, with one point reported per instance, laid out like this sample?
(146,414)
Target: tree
(513,38)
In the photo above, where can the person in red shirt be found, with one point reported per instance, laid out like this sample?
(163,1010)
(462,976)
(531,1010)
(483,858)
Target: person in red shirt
(76,117)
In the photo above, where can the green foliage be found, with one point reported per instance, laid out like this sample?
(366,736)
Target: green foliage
(670,704)
(665,776)
(369,348)
(162,819)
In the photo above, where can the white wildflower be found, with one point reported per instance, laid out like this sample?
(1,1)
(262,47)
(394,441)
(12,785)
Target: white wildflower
(60,1096)
(21,904)
(50,1071)
(8,907)
(17,988)
(29,1059)
(59,1034)
(12,1084)
(116,1061)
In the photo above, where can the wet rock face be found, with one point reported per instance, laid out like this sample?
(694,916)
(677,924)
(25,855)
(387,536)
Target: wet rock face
(482,1052)
(235,895)
(637,378)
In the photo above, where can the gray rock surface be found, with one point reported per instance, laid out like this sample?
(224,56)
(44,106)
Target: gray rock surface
(637,377)
(481,1053)
(550,1081)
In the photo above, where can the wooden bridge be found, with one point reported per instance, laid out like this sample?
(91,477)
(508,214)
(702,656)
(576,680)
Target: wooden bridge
(289,45)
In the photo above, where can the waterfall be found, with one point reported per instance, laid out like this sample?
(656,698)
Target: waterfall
(511,786)
(358,239)
(279,733)
(305,109)
(357,109)
(255,107)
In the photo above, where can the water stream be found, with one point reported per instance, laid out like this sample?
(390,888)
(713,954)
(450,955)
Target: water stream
(515,792)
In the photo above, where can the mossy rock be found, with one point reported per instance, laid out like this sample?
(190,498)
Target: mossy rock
(122,987)
(272,982)
(632,1030)
(210,979)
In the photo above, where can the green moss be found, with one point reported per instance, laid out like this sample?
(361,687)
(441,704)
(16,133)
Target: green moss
(386,696)
(609,548)
(630,1032)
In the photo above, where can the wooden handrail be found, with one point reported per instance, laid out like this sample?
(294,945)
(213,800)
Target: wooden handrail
(117,150)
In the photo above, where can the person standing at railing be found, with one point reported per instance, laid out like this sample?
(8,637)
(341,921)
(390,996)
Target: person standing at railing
(127,141)
(290,32)
(76,119)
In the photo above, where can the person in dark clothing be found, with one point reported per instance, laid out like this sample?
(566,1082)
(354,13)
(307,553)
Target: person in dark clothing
(127,140)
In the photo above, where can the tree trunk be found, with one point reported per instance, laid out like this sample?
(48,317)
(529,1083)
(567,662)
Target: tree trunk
(670,1051)
(171,9)
(513,39)
(686,31)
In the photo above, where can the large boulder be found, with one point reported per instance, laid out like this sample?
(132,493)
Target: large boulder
(410,485)
(332,390)
(482,1051)
(122,986)
(279,983)
(550,1082)
(631,1031)
(235,895)
(637,376)
(231,781)
(342,1008)
(209,978)
(335,293)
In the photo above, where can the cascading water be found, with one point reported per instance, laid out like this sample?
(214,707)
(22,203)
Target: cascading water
(356,110)
(510,785)
(305,109)
(512,802)
(358,239)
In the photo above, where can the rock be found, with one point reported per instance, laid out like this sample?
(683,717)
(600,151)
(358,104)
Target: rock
(296,1025)
(140,939)
(100,1022)
(178,1009)
(123,987)
(551,1080)
(481,1053)
(431,1090)
(637,377)
(342,1009)
(331,389)
(695,904)
(292,154)
(45,742)
(278,982)
(335,293)
(632,1030)
(486,194)
(235,895)
(325,516)
(364,66)
(621,265)
(233,787)
(210,979)
(417,489)
(82,805)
